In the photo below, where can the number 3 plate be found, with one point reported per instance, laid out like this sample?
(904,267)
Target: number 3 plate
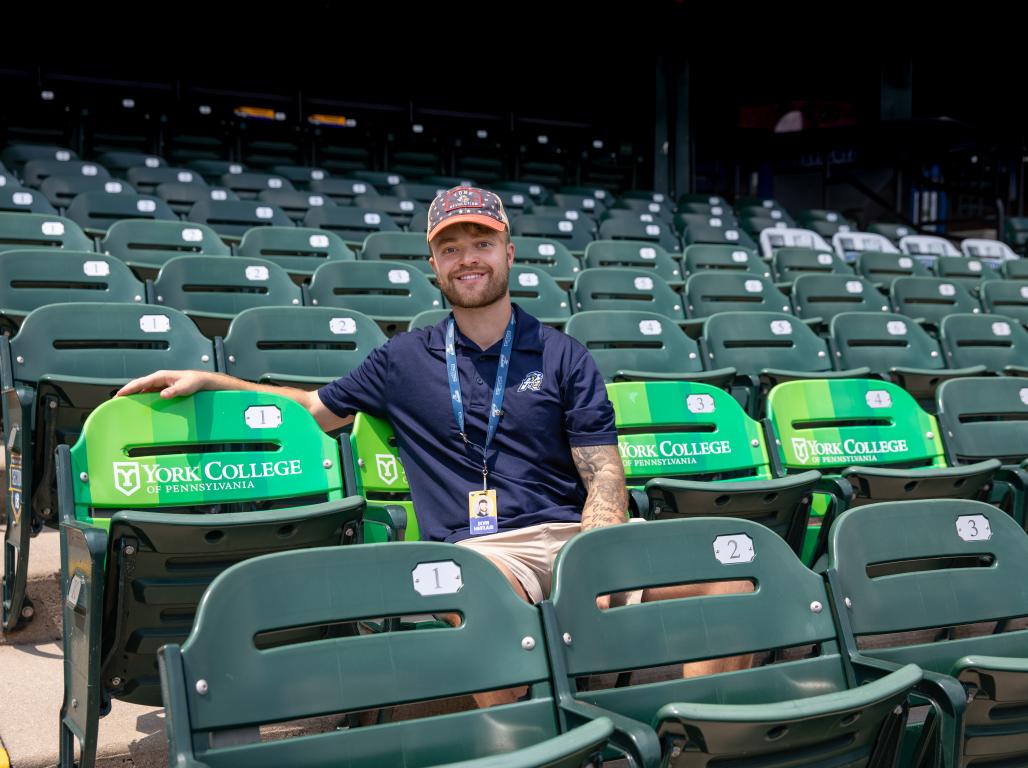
(730,550)
(974,528)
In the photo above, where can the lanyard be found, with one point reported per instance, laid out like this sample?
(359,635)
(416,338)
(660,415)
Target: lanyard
(498,389)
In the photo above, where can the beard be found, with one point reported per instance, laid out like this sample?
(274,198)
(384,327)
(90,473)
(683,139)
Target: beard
(476,295)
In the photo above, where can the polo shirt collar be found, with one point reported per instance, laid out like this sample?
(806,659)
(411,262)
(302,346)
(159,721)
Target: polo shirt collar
(527,333)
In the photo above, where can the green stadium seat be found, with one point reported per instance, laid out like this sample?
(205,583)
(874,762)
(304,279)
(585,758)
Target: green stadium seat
(538,192)
(882,268)
(146,245)
(138,550)
(539,295)
(14,156)
(212,170)
(182,197)
(708,292)
(930,299)
(998,342)
(822,297)
(891,232)
(1006,297)
(352,224)
(232,218)
(21,200)
(634,254)
(384,181)
(39,230)
(971,273)
(428,318)
(296,203)
(297,250)
(300,176)
(409,247)
(1015,232)
(700,257)
(713,217)
(702,199)
(1016,270)
(581,201)
(343,191)
(403,210)
(60,191)
(120,163)
(622,288)
(551,256)
(573,235)
(249,184)
(146,179)
(714,234)
(36,171)
(656,232)
(96,212)
(426,193)
(790,263)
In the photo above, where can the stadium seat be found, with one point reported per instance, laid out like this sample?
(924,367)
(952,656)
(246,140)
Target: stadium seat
(403,210)
(708,292)
(213,170)
(146,179)
(634,254)
(16,199)
(623,288)
(14,156)
(789,263)
(822,297)
(343,191)
(297,250)
(701,257)
(1015,270)
(657,232)
(213,478)
(882,268)
(539,295)
(249,184)
(408,247)
(296,203)
(891,232)
(930,299)
(120,163)
(1006,297)
(573,235)
(96,212)
(182,197)
(971,273)
(352,224)
(998,342)
(710,233)
(35,172)
(146,245)
(38,230)
(232,218)
(300,176)
(60,191)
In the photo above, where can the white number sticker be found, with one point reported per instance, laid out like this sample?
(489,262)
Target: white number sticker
(652,328)
(565,226)
(546,249)
(714,222)
(974,528)
(3,181)
(517,199)
(906,262)
(652,230)
(437,578)
(96,268)
(534,190)
(360,189)
(731,234)
(854,286)
(372,218)
(75,591)
(1024,291)
(571,215)
(768,204)
(152,162)
(589,204)
(878,398)
(896,328)
(947,289)
(543,139)
(657,197)
(263,416)
(824,259)
(155,323)
(22,198)
(653,208)
(257,273)
(274,183)
(192,235)
(113,187)
(1001,329)
(699,403)
(146,206)
(219,194)
(974,266)
(264,212)
(753,286)
(318,241)
(235,169)
(89,170)
(740,257)
(528,279)
(317,175)
(902,231)
(482,134)
(717,210)
(53,228)
(647,253)
(713,200)
(399,276)
(844,227)
(345,326)
(734,549)
(832,217)
(1024,395)
(781,327)
(643,284)
(63,155)
(184,177)
(406,206)
(315,201)
(393,180)
(776,215)
(645,217)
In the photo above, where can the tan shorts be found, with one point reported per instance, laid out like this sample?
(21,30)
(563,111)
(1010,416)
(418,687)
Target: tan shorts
(529,554)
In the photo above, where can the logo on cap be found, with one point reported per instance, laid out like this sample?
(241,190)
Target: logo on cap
(463,197)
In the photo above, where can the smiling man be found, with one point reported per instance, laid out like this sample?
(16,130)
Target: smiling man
(488,404)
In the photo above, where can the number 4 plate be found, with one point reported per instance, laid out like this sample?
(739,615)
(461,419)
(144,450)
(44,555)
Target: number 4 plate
(730,550)
(974,528)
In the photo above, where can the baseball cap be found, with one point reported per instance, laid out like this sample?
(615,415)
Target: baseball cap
(471,204)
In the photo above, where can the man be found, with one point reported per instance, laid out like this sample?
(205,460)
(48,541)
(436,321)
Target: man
(528,423)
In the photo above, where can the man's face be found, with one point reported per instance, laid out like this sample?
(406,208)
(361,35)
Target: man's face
(472,265)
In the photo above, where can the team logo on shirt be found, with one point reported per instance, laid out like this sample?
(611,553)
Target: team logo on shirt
(532,382)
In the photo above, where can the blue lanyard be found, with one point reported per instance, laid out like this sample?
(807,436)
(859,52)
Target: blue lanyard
(498,389)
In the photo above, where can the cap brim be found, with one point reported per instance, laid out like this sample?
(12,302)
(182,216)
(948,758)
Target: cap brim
(475,218)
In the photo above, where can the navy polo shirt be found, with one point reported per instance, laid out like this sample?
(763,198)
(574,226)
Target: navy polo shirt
(555,398)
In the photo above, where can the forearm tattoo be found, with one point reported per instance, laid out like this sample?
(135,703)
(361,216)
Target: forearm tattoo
(600,469)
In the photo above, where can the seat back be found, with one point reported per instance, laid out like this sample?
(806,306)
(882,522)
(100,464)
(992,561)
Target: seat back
(1006,297)
(549,255)
(882,268)
(352,224)
(995,341)
(713,291)
(626,289)
(701,257)
(146,245)
(753,341)
(972,273)
(882,341)
(398,246)
(624,228)
(790,263)
(538,293)
(100,210)
(297,250)
(931,298)
(634,254)
(984,418)
(232,218)
(825,296)
(573,235)
(38,230)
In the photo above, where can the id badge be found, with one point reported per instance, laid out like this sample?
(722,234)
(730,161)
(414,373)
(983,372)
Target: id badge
(482,512)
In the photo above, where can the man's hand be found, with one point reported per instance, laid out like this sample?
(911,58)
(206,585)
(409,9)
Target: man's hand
(169,383)
(604,479)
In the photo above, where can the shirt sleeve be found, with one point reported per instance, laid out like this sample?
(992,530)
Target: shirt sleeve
(588,413)
(362,389)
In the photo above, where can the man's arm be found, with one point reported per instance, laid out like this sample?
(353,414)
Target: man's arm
(604,478)
(181,383)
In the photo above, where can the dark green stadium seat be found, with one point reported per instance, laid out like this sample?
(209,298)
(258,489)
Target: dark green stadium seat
(22,200)
(892,232)
(825,296)
(297,250)
(352,224)
(60,191)
(390,292)
(551,256)
(403,210)
(1006,297)
(711,291)
(809,215)
(573,235)
(211,479)
(703,199)
(656,232)
(725,235)
(427,318)
(300,176)
(966,564)
(622,288)
(14,156)
(790,263)
(1016,269)
(296,203)
(65,361)
(249,184)
(343,191)
(38,230)
(895,347)
(120,163)
(872,440)
(408,247)
(426,193)
(689,450)
(571,214)
(712,217)
(383,181)
(371,671)
(36,171)
(212,170)
(998,342)
(930,298)
(232,218)
(632,345)
(634,254)
(146,180)
(803,713)
(1015,232)
(581,201)
(147,245)
(538,192)
(296,346)
(700,257)
(214,289)
(182,197)
(34,277)
(539,295)
(660,211)
(96,212)
(882,268)
(971,273)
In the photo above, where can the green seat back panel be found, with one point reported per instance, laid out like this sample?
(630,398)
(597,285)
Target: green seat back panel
(427,318)
(61,190)
(573,235)
(626,289)
(1016,269)
(379,289)
(931,298)
(538,294)
(825,296)
(223,286)
(32,278)
(547,254)
(350,223)
(316,342)
(380,474)
(753,341)
(790,263)
(709,292)
(699,257)
(1006,297)
(151,243)
(865,422)
(995,341)
(656,232)
(891,231)
(37,230)
(232,218)
(985,418)
(669,429)
(625,340)
(883,341)
(728,234)
(99,210)
(398,246)
(970,272)
(883,268)
(38,169)
(633,254)
(295,249)
(212,448)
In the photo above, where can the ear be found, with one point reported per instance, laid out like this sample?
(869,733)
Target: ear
(510,254)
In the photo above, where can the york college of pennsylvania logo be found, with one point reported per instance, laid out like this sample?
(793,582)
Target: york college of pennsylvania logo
(129,476)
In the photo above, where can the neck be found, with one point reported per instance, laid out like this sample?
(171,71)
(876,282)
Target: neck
(484,325)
